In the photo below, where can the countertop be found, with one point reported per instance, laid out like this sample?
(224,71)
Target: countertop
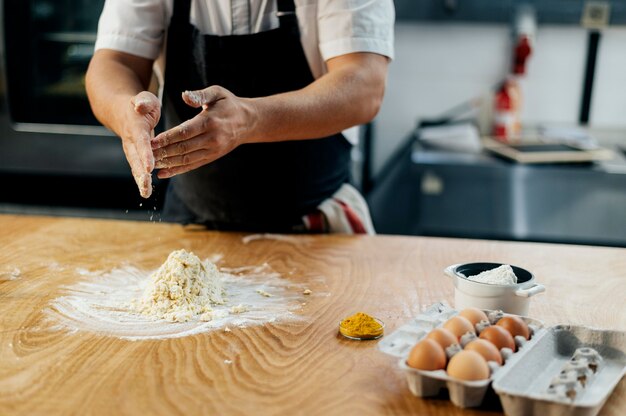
(296,367)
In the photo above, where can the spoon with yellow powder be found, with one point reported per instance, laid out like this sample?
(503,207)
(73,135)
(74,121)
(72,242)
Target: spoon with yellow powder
(361,326)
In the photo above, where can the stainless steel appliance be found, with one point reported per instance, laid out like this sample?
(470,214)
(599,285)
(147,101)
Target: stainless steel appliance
(51,145)
(46,125)
(443,193)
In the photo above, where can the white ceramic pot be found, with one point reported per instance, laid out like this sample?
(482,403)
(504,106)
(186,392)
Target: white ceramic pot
(513,299)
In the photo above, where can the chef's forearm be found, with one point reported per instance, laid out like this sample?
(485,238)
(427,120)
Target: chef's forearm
(112,79)
(349,94)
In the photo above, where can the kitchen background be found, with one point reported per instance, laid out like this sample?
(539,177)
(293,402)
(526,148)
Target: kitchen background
(56,160)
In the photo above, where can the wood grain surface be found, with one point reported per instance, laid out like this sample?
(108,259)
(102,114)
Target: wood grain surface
(280,368)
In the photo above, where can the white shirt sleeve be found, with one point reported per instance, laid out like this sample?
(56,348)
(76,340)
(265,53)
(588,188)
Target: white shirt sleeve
(136,27)
(348,26)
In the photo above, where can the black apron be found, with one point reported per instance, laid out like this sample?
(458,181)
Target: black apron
(261,186)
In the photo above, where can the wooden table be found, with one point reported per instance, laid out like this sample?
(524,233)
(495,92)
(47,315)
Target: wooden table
(279,368)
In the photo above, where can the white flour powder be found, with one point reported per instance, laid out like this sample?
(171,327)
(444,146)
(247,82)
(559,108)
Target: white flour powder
(12,274)
(278,237)
(102,302)
(502,275)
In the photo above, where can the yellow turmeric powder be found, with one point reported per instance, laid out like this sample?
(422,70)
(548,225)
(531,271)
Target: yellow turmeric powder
(362,326)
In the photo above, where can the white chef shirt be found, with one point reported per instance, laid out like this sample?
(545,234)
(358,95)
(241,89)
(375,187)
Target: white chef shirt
(328,28)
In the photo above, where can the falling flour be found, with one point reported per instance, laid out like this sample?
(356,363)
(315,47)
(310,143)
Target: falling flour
(182,288)
(502,275)
(185,296)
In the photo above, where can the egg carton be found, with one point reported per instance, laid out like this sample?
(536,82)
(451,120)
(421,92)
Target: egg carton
(570,370)
(560,370)
(429,383)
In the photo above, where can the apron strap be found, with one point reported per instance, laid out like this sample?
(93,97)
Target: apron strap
(181,12)
(285,6)
(286,12)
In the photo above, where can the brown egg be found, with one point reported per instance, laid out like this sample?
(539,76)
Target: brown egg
(486,349)
(459,326)
(499,337)
(427,355)
(443,337)
(515,325)
(468,365)
(474,315)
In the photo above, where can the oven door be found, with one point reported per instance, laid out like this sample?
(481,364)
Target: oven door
(48,47)
(55,158)
(46,124)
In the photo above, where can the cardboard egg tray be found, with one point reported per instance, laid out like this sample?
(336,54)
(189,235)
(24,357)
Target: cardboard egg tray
(560,370)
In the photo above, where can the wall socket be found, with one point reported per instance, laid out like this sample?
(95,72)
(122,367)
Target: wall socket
(596,14)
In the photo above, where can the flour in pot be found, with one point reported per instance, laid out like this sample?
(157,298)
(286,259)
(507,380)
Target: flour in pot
(503,275)
(183,287)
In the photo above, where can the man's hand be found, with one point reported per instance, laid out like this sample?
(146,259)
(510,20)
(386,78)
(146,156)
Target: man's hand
(221,126)
(349,94)
(116,86)
(142,115)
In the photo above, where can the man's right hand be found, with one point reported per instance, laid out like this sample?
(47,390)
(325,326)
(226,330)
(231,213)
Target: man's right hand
(142,115)
(116,86)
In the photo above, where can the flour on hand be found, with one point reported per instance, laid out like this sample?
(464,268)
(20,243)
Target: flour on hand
(183,287)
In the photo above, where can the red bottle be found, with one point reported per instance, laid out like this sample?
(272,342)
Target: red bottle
(521,53)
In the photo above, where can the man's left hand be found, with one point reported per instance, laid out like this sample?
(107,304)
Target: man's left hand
(221,126)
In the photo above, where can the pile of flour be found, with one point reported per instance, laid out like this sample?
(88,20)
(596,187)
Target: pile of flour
(502,275)
(184,297)
(184,287)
